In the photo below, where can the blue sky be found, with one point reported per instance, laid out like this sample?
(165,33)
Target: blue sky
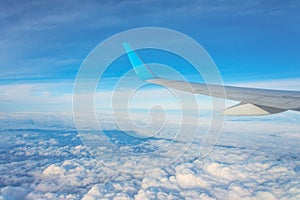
(44,42)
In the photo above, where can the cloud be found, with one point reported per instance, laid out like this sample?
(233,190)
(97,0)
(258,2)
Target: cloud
(16,193)
(187,179)
(44,160)
(57,96)
(36,97)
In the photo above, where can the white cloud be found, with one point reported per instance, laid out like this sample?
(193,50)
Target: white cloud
(39,97)
(187,179)
(245,164)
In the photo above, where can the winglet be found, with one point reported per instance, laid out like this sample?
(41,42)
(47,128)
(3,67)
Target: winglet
(141,70)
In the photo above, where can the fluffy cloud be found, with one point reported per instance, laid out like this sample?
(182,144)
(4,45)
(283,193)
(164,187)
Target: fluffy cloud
(188,179)
(52,163)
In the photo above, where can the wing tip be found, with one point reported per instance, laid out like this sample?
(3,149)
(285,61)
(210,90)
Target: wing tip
(140,68)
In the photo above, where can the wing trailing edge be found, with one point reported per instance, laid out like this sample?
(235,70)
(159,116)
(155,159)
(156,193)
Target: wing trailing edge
(248,109)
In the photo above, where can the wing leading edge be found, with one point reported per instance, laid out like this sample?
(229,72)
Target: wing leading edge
(253,101)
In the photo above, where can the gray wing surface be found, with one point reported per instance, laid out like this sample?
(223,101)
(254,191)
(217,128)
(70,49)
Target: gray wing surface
(253,101)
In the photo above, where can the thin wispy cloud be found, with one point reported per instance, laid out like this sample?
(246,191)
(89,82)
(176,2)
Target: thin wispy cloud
(47,41)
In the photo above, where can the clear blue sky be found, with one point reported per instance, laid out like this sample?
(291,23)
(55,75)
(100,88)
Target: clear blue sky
(44,42)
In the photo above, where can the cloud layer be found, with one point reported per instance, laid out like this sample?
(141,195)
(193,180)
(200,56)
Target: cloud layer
(44,160)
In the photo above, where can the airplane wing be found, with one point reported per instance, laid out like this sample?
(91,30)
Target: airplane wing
(252,101)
